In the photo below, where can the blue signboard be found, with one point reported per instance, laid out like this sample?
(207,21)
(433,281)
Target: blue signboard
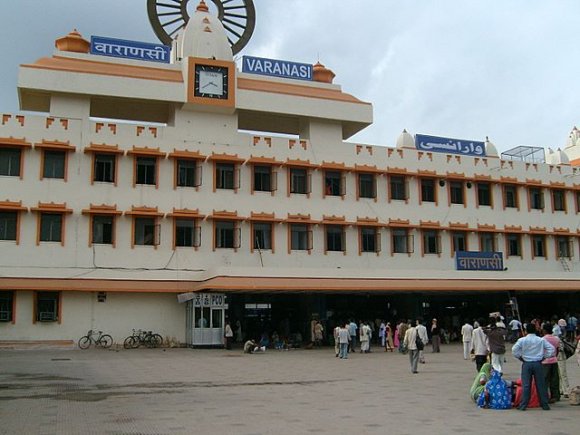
(447,145)
(130,49)
(276,68)
(471,260)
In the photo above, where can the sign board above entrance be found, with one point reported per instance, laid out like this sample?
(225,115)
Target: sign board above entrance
(447,145)
(213,300)
(276,68)
(103,46)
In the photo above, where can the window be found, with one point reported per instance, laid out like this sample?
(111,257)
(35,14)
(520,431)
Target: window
(225,232)
(102,228)
(187,234)
(402,241)
(145,234)
(458,241)
(299,181)
(47,304)
(539,245)
(146,168)
(262,235)
(54,164)
(51,225)
(559,199)
(510,196)
(333,183)
(369,239)
(427,190)
(456,192)
(264,178)
(487,242)
(6,306)
(335,238)
(367,186)
(10,161)
(8,225)
(564,247)
(514,245)
(104,168)
(536,198)
(483,194)
(300,237)
(398,187)
(188,173)
(431,244)
(225,175)
(578,201)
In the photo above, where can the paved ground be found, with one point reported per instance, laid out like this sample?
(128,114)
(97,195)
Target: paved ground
(183,391)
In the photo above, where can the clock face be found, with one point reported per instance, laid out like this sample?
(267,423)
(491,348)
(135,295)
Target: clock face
(211,82)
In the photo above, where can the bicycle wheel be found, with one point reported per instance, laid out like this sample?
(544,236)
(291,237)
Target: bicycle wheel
(129,343)
(85,342)
(106,341)
(157,340)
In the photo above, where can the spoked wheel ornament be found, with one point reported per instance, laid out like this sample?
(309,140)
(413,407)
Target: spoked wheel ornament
(238,17)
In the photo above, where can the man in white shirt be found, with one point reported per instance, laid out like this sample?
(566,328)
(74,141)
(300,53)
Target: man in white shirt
(479,345)
(422,331)
(410,343)
(515,328)
(466,333)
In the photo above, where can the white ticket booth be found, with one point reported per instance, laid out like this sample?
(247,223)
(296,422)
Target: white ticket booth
(205,318)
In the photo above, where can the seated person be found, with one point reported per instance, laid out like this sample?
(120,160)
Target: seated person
(250,346)
(497,393)
(264,341)
(278,344)
(479,382)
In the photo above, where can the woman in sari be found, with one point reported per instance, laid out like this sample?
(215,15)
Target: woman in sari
(479,382)
(389,345)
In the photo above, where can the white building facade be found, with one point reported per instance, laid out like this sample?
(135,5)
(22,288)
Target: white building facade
(132,187)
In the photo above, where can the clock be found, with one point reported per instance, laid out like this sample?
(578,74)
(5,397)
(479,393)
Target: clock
(211,82)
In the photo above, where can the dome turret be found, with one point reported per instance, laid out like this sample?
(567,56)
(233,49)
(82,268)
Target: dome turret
(405,140)
(204,36)
(490,148)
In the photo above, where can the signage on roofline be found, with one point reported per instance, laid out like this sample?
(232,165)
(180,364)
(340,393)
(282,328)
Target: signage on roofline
(277,68)
(103,46)
(448,145)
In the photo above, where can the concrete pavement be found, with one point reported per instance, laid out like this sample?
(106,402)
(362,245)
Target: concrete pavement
(184,391)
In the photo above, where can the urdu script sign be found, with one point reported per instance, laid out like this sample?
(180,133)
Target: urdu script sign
(448,145)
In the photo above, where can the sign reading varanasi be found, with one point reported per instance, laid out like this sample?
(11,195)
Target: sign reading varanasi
(102,46)
(471,260)
(447,145)
(276,68)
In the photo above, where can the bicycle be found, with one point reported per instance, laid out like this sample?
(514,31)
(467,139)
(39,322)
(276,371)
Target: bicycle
(140,337)
(103,340)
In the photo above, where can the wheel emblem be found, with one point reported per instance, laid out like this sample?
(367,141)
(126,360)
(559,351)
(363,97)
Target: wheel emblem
(238,17)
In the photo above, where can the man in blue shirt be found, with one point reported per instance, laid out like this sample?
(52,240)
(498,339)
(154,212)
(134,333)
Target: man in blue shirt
(531,350)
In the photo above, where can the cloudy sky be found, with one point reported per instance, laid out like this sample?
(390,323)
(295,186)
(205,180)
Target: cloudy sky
(507,69)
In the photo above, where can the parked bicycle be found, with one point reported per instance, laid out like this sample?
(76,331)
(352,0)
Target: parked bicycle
(142,338)
(100,340)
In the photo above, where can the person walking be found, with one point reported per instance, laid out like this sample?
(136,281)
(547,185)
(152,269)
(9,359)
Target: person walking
(435,336)
(531,350)
(550,365)
(496,340)
(336,340)
(410,343)
(389,345)
(479,346)
(403,326)
(382,328)
(343,339)
(422,332)
(365,337)
(466,333)
(563,372)
(228,335)
(352,331)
